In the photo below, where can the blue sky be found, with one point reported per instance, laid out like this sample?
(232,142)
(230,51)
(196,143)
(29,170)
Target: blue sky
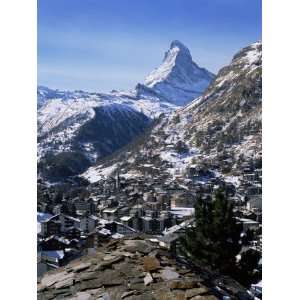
(99,45)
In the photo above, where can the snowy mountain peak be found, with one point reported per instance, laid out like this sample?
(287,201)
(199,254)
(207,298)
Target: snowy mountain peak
(178,78)
(179,45)
(178,49)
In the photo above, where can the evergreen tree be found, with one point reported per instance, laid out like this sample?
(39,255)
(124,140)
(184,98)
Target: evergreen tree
(215,238)
(248,269)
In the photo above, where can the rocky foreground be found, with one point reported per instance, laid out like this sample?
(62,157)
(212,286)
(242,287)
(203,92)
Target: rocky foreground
(133,268)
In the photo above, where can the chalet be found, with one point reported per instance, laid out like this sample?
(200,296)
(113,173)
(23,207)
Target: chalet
(73,233)
(254,190)
(53,257)
(50,226)
(248,224)
(147,224)
(254,202)
(249,177)
(88,224)
(164,221)
(127,220)
(124,229)
(123,211)
(110,213)
(137,210)
(55,242)
(117,227)
(84,207)
(68,221)
(182,213)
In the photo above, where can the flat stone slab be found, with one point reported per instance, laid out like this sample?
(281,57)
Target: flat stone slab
(64,283)
(109,257)
(81,267)
(108,263)
(148,279)
(168,274)
(81,296)
(50,279)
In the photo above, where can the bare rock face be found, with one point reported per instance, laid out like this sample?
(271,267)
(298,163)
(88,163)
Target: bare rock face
(134,269)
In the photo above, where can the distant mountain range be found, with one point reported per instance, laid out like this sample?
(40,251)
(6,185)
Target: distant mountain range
(81,126)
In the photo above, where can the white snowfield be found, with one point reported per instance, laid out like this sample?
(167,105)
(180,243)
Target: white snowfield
(95,174)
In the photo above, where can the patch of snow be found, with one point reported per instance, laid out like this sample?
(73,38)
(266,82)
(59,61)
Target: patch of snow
(94,174)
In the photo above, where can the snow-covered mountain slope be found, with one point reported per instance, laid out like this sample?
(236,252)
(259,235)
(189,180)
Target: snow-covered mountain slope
(81,139)
(62,115)
(91,124)
(221,129)
(178,78)
(55,106)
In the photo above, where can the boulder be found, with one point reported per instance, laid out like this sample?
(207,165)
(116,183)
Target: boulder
(141,246)
(108,263)
(150,263)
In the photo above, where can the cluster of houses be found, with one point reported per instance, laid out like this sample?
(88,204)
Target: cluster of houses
(120,206)
(70,227)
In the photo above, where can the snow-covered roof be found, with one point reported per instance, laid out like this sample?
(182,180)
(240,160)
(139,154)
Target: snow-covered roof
(104,231)
(110,210)
(183,211)
(58,254)
(125,218)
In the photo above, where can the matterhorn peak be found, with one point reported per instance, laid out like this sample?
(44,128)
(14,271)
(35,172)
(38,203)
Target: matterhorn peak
(178,44)
(180,47)
(177,51)
(178,78)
